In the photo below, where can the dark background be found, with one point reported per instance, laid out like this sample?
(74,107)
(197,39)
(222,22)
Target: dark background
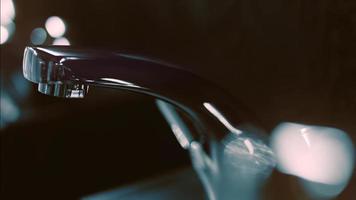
(284,60)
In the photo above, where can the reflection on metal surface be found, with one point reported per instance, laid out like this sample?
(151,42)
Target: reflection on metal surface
(180,136)
(246,163)
(178,127)
(55,26)
(205,168)
(239,161)
(322,157)
(38,36)
(249,146)
(221,118)
(58,75)
(63,90)
(114,80)
(62,41)
(248,153)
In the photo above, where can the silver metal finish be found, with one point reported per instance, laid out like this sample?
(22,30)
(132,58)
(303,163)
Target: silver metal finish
(67,72)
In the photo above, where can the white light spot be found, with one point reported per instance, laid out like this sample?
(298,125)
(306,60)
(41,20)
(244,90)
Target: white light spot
(38,36)
(304,133)
(316,154)
(7,11)
(55,26)
(249,146)
(178,127)
(180,136)
(61,41)
(118,81)
(4,35)
(221,118)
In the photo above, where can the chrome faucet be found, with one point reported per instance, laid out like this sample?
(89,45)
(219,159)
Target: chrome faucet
(231,162)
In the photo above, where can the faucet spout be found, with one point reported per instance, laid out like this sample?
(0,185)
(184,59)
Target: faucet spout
(67,72)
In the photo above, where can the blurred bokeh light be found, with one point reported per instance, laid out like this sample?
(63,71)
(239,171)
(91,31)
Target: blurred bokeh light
(322,157)
(7,11)
(55,26)
(7,17)
(4,35)
(9,110)
(38,36)
(62,41)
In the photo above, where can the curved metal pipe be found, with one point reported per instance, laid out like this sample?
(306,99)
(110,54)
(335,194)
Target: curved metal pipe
(68,72)
(65,72)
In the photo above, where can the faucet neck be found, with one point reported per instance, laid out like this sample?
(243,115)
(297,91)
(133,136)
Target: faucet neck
(63,71)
